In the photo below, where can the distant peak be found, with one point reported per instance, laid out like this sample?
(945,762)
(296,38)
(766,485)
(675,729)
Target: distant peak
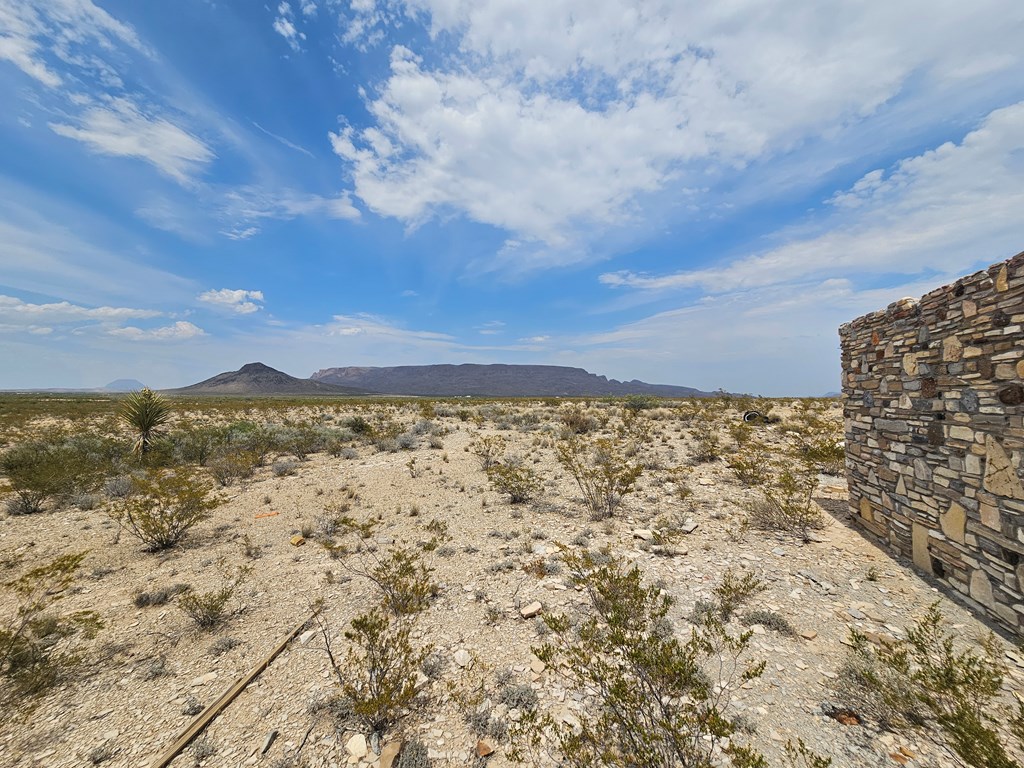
(255,368)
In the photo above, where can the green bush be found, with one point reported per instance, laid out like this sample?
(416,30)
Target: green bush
(208,609)
(516,479)
(165,506)
(657,701)
(53,469)
(930,680)
(34,639)
(402,577)
(787,505)
(603,474)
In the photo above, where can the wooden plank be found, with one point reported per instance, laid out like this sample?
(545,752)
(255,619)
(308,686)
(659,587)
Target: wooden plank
(208,714)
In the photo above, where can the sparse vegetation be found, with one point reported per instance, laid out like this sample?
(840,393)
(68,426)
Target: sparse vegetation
(604,475)
(166,505)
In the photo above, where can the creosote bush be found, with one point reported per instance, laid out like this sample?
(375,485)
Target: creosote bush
(165,506)
(402,577)
(378,684)
(931,680)
(786,505)
(34,637)
(208,609)
(53,468)
(516,479)
(603,473)
(657,701)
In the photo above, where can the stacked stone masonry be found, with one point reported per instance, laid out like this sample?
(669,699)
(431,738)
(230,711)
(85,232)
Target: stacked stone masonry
(934,402)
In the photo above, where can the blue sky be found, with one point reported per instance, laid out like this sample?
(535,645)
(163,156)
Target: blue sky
(681,192)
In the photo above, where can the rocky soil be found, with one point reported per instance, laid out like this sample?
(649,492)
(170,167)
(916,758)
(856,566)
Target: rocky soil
(151,670)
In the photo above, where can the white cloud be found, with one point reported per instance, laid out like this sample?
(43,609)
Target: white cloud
(556,121)
(944,209)
(285,27)
(239,301)
(119,128)
(244,207)
(179,331)
(32,31)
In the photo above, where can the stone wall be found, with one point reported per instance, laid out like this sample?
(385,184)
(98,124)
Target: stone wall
(934,434)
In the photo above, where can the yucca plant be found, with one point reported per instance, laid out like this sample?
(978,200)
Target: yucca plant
(146,413)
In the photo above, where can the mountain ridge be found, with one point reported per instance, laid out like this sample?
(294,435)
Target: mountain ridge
(261,379)
(493,380)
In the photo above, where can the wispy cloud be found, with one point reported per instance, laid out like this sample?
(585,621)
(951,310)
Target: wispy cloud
(179,331)
(284,25)
(119,128)
(238,301)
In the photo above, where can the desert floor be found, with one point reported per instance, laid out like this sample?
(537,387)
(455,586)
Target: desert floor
(149,666)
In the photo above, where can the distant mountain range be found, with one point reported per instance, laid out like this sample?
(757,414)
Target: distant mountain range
(259,379)
(123,385)
(493,381)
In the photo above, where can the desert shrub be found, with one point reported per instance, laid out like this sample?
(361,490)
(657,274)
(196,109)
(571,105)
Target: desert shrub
(230,464)
(197,444)
(146,413)
(752,464)
(164,507)
(160,596)
(381,668)
(414,754)
(656,703)
(799,756)
(931,680)
(734,590)
(705,437)
(577,421)
(251,440)
(283,468)
(35,637)
(769,620)
(516,479)
(488,450)
(787,505)
(359,425)
(402,577)
(636,403)
(118,486)
(50,469)
(208,609)
(603,474)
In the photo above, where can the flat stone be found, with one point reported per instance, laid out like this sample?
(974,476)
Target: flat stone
(531,610)
(910,363)
(981,588)
(209,677)
(1002,283)
(919,540)
(953,521)
(970,309)
(990,516)
(538,666)
(298,540)
(689,526)
(952,349)
(306,636)
(356,746)
(808,634)
(463,658)
(483,748)
(1000,476)
(389,753)
(643,533)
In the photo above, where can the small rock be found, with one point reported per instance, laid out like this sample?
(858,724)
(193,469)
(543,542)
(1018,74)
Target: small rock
(808,634)
(538,666)
(483,749)
(209,677)
(306,636)
(356,746)
(463,658)
(643,533)
(298,540)
(689,526)
(389,753)
(268,741)
(531,610)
